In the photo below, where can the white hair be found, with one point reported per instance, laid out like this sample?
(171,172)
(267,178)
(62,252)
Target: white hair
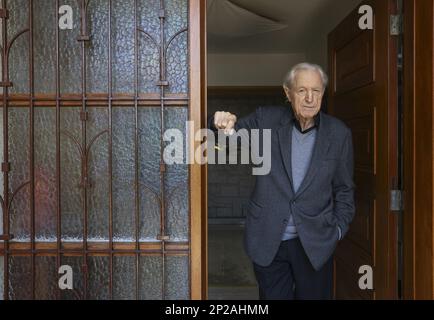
(290,76)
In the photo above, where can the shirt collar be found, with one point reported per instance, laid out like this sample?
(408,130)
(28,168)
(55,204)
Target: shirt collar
(298,126)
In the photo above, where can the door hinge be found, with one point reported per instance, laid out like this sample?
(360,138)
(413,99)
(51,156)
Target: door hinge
(396,24)
(396,200)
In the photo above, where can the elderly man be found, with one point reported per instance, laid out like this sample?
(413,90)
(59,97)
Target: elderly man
(303,207)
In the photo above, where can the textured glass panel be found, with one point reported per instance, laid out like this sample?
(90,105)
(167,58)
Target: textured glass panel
(19,54)
(123,166)
(177,65)
(177,182)
(150,278)
(149,174)
(70,53)
(99,275)
(98,195)
(19,174)
(177,52)
(97,62)
(1,173)
(45,172)
(70,168)
(177,278)
(44,45)
(20,278)
(123,46)
(2,274)
(149,65)
(149,56)
(75,262)
(176,17)
(46,278)
(124,277)
(147,17)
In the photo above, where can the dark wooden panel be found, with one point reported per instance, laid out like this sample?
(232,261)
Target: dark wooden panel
(347,268)
(361,231)
(354,63)
(363,140)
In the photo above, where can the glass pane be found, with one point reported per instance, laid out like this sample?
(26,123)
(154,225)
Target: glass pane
(70,167)
(176,17)
(45,173)
(20,278)
(149,176)
(19,174)
(70,53)
(97,62)
(98,193)
(176,277)
(149,173)
(124,277)
(46,278)
(149,56)
(2,274)
(123,167)
(75,262)
(177,185)
(44,45)
(123,46)
(98,278)
(149,65)
(177,282)
(19,52)
(150,278)
(1,173)
(147,17)
(177,65)
(177,55)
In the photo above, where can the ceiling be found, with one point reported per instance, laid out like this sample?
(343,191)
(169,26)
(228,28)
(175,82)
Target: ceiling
(271,26)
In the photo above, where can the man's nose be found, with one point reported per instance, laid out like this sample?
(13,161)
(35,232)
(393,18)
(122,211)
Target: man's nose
(309,96)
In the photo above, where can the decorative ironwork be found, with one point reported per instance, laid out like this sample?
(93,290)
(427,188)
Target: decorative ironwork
(84,141)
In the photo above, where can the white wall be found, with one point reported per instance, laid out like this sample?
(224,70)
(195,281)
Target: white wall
(250,69)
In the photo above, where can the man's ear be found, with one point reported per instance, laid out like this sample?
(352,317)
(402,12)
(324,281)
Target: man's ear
(288,96)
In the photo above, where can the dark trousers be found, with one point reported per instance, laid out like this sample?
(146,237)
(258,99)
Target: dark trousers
(291,276)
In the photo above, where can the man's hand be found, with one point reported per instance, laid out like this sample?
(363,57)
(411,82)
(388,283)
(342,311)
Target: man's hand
(225,120)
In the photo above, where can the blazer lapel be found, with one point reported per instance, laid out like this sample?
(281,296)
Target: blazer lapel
(285,142)
(322,143)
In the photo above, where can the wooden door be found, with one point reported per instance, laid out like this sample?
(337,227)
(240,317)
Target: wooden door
(363,92)
(82,118)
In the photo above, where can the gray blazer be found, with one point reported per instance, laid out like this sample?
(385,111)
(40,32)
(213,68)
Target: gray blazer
(324,200)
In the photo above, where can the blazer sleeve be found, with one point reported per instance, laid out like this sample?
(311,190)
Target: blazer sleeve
(251,121)
(343,186)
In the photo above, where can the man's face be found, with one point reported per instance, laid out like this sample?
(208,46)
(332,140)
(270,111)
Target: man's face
(306,94)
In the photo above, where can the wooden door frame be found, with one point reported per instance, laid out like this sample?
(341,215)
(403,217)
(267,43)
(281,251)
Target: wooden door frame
(198,173)
(418,219)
